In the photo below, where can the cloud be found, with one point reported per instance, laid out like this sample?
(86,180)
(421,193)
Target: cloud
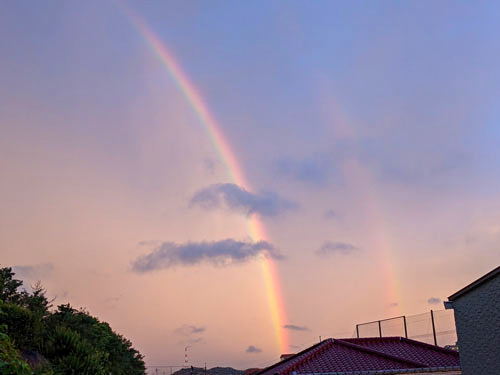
(293,327)
(317,169)
(434,301)
(112,302)
(209,165)
(224,252)
(253,349)
(198,340)
(329,247)
(236,198)
(394,304)
(188,330)
(331,214)
(148,243)
(32,273)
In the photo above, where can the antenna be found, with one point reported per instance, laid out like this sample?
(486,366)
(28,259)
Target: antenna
(186,357)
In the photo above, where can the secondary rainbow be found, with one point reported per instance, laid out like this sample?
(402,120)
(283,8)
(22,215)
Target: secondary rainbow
(234,170)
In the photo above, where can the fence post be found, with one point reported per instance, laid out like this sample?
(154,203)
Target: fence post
(357,331)
(379,329)
(433,328)
(406,330)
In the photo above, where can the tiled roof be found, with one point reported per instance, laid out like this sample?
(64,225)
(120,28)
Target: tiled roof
(429,355)
(371,354)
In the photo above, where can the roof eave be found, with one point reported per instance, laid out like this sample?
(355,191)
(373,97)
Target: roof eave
(475,284)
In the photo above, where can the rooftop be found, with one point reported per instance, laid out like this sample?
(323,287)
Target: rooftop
(475,284)
(377,355)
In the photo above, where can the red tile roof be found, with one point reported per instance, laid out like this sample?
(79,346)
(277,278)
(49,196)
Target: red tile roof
(430,355)
(371,354)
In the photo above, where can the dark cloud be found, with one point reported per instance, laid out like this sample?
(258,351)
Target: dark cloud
(222,252)
(188,330)
(293,327)
(235,198)
(317,169)
(433,301)
(253,349)
(329,247)
(31,273)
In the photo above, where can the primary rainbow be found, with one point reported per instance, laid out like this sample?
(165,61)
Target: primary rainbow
(234,169)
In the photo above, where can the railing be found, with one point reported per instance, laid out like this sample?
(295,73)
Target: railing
(433,327)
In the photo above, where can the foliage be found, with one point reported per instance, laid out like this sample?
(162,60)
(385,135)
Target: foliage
(67,340)
(11,362)
(22,326)
(70,354)
(9,286)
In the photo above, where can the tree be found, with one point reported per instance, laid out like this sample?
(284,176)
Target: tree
(11,362)
(9,286)
(64,341)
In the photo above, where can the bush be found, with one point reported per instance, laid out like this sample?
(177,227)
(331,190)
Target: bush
(11,362)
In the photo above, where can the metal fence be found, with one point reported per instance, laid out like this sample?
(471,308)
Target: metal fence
(433,327)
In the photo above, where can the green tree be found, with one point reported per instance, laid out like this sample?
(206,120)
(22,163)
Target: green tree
(70,354)
(9,286)
(64,341)
(11,362)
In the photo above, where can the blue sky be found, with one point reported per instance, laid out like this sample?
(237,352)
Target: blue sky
(376,122)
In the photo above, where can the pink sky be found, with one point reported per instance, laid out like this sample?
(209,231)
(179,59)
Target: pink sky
(378,183)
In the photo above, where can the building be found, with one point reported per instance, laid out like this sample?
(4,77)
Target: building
(374,355)
(477,317)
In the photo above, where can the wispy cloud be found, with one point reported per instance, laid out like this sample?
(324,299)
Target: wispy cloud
(293,327)
(236,198)
(316,169)
(224,252)
(434,301)
(191,334)
(329,247)
(188,330)
(112,302)
(332,214)
(253,349)
(30,273)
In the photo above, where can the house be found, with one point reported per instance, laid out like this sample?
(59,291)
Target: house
(374,355)
(477,317)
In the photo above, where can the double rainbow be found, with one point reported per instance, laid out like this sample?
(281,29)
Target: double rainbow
(234,169)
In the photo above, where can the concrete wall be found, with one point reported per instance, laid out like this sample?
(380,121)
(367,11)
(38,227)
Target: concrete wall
(477,317)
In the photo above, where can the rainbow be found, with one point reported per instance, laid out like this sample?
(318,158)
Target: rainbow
(233,167)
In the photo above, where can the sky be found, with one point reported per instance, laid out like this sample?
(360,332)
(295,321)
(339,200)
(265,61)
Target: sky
(302,167)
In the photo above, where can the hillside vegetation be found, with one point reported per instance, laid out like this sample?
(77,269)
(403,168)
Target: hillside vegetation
(36,339)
